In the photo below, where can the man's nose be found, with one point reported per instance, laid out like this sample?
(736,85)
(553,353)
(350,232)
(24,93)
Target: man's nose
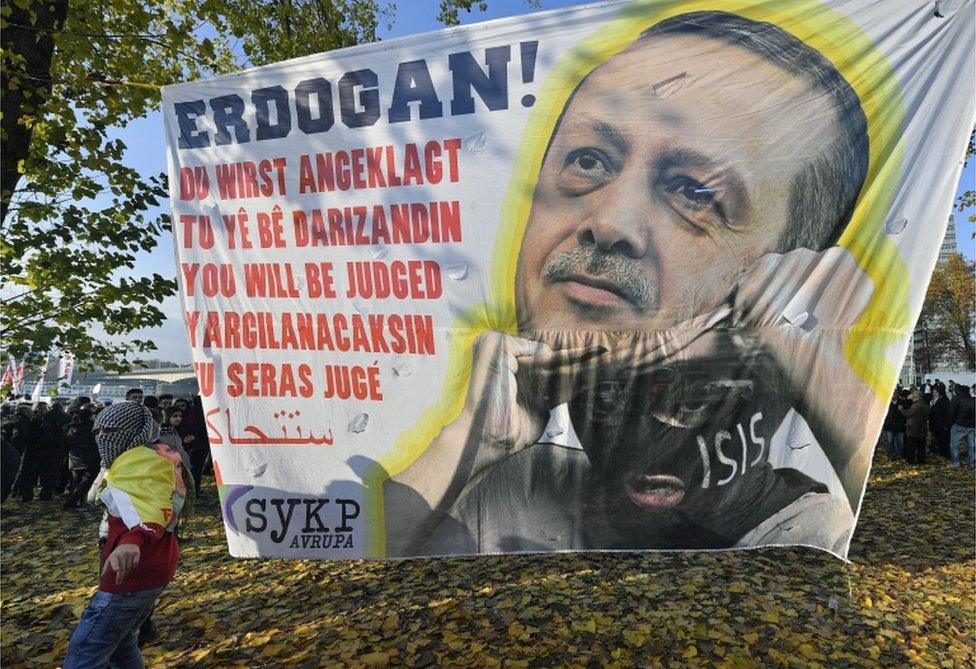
(618,222)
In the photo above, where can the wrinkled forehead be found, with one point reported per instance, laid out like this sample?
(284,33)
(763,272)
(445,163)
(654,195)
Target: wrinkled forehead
(697,89)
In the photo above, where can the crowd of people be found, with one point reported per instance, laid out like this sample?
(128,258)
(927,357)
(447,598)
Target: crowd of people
(932,417)
(52,445)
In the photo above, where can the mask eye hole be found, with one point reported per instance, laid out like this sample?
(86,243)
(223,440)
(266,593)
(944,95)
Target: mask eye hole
(609,399)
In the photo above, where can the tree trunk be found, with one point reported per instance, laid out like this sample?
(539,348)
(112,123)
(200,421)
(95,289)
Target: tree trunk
(967,348)
(26,85)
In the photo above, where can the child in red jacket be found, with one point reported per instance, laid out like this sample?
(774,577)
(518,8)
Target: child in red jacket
(141,551)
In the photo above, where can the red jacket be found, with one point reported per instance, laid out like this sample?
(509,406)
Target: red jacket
(159,552)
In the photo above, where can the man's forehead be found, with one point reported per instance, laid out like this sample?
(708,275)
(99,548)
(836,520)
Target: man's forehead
(647,58)
(688,80)
(720,100)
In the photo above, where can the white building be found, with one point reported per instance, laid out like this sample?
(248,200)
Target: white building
(949,243)
(916,365)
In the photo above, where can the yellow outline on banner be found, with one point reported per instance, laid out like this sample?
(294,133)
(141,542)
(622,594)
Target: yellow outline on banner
(837,38)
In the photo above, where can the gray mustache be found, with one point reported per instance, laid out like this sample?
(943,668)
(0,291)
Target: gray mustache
(620,270)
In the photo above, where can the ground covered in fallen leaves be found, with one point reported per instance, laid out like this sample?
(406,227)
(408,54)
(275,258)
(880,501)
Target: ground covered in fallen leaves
(906,599)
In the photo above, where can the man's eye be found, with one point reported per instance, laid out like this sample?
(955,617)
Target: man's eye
(587,161)
(693,192)
(586,169)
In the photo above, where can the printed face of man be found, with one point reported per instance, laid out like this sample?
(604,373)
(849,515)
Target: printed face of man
(669,173)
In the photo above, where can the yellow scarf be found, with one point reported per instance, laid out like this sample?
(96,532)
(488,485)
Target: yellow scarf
(145,485)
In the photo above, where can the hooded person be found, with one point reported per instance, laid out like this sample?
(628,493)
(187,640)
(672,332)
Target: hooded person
(172,434)
(14,433)
(54,473)
(143,489)
(17,427)
(83,458)
(76,403)
(9,464)
(44,454)
(37,450)
(121,427)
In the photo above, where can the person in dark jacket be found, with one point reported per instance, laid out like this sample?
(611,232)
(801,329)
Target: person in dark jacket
(37,451)
(939,422)
(194,431)
(151,402)
(56,469)
(83,459)
(16,434)
(894,427)
(9,464)
(54,421)
(916,428)
(962,417)
(17,428)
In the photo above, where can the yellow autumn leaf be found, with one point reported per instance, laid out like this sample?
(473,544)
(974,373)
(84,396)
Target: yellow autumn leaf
(634,639)
(806,650)
(272,650)
(586,626)
(376,659)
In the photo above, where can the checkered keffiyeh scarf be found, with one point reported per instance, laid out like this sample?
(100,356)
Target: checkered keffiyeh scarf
(120,427)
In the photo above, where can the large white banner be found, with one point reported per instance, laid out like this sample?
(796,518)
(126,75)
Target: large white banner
(634,275)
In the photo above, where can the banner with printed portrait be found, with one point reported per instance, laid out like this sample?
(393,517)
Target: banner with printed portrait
(629,276)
